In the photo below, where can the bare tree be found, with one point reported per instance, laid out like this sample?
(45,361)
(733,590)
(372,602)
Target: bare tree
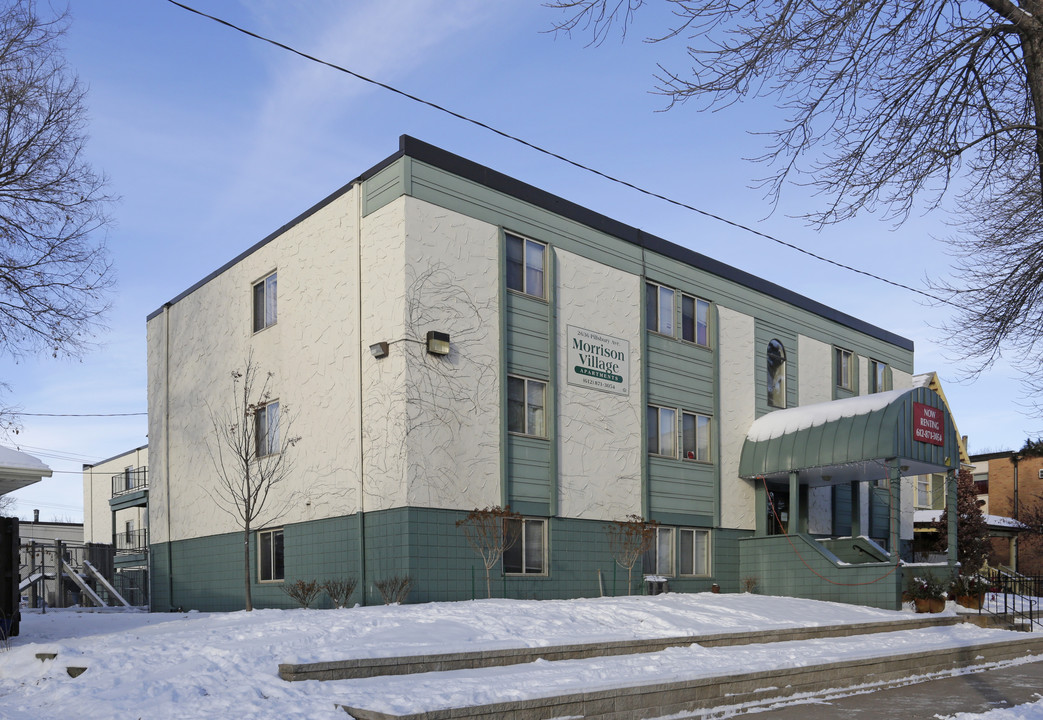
(491,531)
(54,271)
(7,504)
(890,103)
(250,451)
(628,540)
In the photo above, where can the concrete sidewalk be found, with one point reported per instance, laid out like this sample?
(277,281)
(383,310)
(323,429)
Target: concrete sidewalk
(974,693)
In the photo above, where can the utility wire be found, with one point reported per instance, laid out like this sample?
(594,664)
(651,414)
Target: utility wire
(29,414)
(564,159)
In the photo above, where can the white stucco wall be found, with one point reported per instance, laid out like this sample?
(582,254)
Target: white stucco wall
(599,433)
(736,354)
(452,272)
(311,352)
(814,371)
(97,490)
(901,380)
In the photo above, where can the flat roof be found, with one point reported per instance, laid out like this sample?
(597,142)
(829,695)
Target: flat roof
(470,170)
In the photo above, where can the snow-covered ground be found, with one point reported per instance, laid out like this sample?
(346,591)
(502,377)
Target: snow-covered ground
(196,665)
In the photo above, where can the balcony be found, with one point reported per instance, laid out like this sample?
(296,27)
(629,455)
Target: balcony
(130,481)
(131,542)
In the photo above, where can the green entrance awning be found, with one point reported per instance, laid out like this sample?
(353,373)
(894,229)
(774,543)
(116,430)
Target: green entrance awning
(853,439)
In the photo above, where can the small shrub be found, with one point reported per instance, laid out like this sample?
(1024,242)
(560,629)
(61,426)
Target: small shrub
(926,588)
(340,590)
(749,584)
(303,592)
(395,589)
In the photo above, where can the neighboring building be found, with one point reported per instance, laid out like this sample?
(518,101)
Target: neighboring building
(1011,482)
(445,338)
(45,533)
(115,512)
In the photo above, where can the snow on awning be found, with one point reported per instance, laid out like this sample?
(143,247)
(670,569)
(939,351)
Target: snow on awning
(19,469)
(853,439)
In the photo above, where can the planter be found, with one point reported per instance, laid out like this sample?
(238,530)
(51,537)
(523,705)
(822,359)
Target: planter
(929,605)
(974,602)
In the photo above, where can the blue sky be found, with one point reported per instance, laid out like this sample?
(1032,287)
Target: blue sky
(213,140)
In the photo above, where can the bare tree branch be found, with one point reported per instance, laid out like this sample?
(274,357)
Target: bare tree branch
(54,271)
(249,462)
(891,105)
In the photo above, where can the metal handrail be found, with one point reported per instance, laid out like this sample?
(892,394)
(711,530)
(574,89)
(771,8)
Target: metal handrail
(130,481)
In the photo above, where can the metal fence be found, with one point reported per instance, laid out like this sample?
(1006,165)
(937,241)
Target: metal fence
(47,581)
(129,481)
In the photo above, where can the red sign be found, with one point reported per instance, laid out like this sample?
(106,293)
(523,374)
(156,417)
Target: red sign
(928,424)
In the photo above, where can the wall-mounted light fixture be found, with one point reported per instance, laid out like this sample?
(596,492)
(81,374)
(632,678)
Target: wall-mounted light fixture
(379,350)
(437,342)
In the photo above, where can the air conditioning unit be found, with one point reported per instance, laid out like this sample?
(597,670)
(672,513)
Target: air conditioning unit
(1041,474)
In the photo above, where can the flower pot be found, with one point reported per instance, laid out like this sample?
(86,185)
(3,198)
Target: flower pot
(929,605)
(973,602)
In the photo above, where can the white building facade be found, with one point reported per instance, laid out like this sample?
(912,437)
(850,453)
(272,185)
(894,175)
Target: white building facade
(592,372)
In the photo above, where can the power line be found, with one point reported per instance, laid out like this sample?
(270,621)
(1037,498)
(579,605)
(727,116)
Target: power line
(29,414)
(574,163)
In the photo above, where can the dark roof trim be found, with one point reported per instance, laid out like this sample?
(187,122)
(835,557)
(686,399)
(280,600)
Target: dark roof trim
(102,462)
(994,455)
(470,170)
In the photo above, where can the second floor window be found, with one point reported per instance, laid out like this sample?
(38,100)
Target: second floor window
(526,401)
(662,431)
(776,374)
(695,437)
(266,429)
(525,263)
(265,306)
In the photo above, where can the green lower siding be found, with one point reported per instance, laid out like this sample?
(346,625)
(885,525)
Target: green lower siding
(424,544)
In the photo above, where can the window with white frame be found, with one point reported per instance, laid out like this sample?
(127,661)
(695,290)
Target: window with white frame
(662,431)
(266,429)
(526,403)
(923,491)
(877,376)
(845,368)
(659,309)
(695,437)
(695,323)
(525,265)
(776,357)
(265,305)
(695,552)
(527,556)
(659,558)
(270,566)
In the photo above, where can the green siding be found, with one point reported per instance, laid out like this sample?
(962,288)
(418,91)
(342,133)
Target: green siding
(425,544)
(528,336)
(529,478)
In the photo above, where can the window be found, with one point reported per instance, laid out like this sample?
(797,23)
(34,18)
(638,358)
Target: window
(877,376)
(659,309)
(776,374)
(659,559)
(695,552)
(266,429)
(923,491)
(695,437)
(694,320)
(265,303)
(526,400)
(526,556)
(128,532)
(525,265)
(270,556)
(662,431)
(845,366)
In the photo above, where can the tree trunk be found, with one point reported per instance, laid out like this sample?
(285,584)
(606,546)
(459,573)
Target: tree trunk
(246,566)
(1032,54)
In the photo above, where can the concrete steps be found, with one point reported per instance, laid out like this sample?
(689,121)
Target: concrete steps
(634,701)
(411,664)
